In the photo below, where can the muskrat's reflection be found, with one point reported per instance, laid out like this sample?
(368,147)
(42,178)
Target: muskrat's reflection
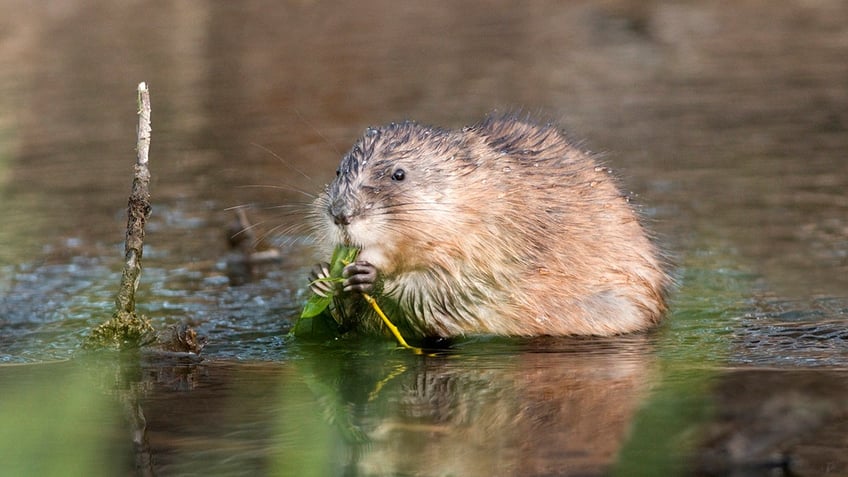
(560,408)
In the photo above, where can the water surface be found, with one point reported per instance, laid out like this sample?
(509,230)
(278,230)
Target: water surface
(728,124)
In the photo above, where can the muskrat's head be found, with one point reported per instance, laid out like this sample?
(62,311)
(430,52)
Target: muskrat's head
(392,192)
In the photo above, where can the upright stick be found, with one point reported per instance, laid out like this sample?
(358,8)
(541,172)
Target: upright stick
(138,208)
(125,329)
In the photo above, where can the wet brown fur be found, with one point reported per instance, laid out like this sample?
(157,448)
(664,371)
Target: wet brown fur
(502,228)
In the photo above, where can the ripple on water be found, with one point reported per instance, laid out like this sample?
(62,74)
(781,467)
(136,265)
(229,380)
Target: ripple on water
(794,333)
(45,310)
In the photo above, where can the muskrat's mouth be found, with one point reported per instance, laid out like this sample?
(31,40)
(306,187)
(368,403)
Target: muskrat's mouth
(351,244)
(345,237)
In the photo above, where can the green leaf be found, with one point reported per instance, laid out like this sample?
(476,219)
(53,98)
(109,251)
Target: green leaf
(315,305)
(319,327)
(342,256)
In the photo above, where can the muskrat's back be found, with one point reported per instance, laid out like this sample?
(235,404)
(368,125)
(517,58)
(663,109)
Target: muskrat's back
(503,227)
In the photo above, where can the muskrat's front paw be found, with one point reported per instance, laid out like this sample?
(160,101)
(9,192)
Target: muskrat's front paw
(317,279)
(359,277)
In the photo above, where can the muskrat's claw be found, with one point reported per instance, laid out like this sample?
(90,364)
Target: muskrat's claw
(317,284)
(359,277)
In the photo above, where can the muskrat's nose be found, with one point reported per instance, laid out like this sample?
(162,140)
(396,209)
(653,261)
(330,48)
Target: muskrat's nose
(341,213)
(341,219)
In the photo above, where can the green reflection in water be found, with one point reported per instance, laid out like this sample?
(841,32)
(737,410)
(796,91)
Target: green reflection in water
(328,392)
(57,420)
(304,433)
(693,346)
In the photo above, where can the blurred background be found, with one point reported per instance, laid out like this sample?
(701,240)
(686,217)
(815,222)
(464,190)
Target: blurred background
(728,120)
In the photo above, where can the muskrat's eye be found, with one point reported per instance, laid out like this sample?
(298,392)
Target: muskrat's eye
(398,175)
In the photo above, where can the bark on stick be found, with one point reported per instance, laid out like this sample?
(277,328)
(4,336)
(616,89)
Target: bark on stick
(138,208)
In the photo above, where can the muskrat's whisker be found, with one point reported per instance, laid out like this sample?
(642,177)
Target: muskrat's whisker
(317,131)
(412,222)
(250,227)
(402,211)
(301,207)
(283,161)
(393,214)
(293,231)
(284,187)
(410,209)
(455,221)
(405,204)
(239,206)
(405,232)
(289,210)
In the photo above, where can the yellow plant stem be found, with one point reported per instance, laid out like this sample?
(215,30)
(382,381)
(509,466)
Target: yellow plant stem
(376,392)
(388,323)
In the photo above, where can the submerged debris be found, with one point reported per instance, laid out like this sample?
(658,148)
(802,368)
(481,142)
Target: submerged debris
(248,253)
(181,339)
(123,330)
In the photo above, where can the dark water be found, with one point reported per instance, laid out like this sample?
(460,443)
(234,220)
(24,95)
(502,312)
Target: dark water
(728,121)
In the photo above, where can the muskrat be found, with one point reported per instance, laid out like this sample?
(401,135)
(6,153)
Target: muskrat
(503,227)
